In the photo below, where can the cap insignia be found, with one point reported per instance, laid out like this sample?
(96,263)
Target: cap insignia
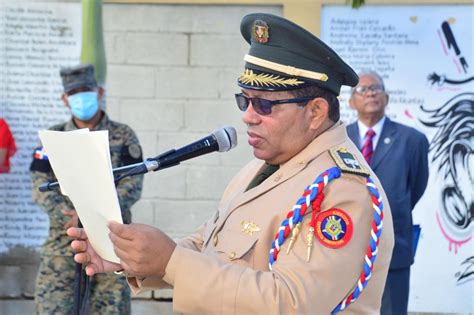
(260,31)
(347,162)
(333,228)
(267,80)
(249,227)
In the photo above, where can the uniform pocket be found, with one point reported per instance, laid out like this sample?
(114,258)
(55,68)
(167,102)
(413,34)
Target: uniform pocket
(235,245)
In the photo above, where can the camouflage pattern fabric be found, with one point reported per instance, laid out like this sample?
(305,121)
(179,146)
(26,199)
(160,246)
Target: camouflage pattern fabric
(54,292)
(124,150)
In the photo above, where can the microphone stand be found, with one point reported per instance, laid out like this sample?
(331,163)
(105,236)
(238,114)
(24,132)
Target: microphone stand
(125,171)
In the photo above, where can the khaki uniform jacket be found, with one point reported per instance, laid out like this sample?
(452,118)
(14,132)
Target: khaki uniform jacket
(223,270)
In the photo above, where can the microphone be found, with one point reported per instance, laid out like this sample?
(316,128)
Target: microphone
(222,140)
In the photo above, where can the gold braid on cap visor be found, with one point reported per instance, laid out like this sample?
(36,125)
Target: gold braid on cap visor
(296,72)
(266,79)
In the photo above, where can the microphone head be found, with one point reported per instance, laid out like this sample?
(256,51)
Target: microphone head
(226,138)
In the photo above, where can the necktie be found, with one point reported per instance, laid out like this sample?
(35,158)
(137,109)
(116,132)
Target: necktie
(267,172)
(368,147)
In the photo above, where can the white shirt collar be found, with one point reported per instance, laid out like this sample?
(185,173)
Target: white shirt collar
(377,128)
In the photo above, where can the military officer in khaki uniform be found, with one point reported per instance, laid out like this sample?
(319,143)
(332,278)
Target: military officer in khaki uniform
(55,281)
(304,228)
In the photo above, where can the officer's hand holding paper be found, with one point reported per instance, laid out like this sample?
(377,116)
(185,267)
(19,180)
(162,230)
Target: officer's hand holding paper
(81,162)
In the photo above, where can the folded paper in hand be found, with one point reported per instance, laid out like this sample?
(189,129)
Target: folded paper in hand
(81,162)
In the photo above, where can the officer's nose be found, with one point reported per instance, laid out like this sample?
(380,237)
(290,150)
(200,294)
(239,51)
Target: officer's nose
(251,117)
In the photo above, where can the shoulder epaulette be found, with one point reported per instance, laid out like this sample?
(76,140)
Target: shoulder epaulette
(347,162)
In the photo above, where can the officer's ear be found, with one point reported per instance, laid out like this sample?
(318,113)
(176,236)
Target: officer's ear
(100,92)
(318,109)
(65,101)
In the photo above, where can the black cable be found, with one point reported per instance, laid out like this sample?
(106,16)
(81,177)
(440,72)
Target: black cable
(87,293)
(78,275)
(77,288)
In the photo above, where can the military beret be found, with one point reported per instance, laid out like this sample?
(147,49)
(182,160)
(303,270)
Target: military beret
(78,77)
(284,56)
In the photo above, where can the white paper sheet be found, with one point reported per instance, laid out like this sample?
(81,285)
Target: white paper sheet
(63,191)
(81,163)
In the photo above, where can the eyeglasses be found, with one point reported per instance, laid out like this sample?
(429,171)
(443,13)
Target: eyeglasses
(263,106)
(361,90)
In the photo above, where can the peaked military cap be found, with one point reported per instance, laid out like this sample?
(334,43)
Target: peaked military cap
(77,77)
(284,56)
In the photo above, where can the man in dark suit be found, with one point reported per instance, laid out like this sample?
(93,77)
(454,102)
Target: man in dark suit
(399,157)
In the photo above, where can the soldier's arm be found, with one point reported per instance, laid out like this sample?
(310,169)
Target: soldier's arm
(129,189)
(52,202)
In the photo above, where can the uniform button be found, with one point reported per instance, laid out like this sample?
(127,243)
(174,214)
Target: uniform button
(215,240)
(278,177)
(232,255)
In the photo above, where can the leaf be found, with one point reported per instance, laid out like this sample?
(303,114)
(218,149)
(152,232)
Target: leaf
(356,4)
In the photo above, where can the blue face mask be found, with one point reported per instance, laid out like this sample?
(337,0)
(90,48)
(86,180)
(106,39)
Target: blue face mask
(84,105)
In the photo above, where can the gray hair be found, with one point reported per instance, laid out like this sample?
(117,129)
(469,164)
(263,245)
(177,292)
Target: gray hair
(373,74)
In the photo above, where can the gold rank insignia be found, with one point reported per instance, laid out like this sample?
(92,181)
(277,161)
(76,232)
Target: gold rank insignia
(249,227)
(347,162)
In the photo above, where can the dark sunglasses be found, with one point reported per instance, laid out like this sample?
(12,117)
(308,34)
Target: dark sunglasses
(263,106)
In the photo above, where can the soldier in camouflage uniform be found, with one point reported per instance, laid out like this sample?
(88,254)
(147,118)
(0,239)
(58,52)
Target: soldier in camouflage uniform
(54,292)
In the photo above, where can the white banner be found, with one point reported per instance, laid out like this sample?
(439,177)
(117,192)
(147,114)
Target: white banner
(36,39)
(425,54)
